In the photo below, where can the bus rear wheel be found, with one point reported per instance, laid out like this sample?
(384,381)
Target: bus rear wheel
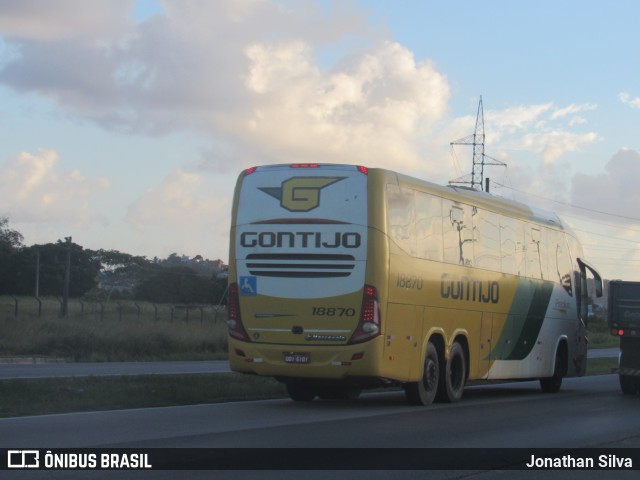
(454,376)
(424,391)
(300,391)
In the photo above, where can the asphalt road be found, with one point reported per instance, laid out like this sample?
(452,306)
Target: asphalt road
(56,370)
(25,369)
(589,412)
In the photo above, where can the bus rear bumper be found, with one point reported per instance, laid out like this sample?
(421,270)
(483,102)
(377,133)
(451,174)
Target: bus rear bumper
(306,361)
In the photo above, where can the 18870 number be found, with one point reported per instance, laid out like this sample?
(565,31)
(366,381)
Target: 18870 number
(333,312)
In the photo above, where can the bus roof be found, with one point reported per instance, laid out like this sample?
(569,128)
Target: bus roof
(456,193)
(485,200)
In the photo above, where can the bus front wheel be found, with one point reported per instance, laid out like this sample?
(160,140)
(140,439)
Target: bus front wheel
(552,384)
(424,391)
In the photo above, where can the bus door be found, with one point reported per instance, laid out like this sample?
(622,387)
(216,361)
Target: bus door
(486,335)
(582,300)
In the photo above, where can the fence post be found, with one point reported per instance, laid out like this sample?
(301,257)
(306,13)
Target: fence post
(138,308)
(39,306)
(155,309)
(224,294)
(15,309)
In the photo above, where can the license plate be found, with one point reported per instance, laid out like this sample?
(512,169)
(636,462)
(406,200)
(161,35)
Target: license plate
(297,357)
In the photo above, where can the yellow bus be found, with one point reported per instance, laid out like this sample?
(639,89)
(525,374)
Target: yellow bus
(343,278)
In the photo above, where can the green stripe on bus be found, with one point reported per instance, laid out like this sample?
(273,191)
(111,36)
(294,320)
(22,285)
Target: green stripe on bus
(524,320)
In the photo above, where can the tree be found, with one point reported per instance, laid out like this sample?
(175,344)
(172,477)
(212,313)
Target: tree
(121,272)
(53,260)
(10,246)
(10,239)
(177,284)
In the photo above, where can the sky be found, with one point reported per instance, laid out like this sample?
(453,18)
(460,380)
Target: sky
(125,123)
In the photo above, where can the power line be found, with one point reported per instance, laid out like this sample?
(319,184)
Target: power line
(571,205)
(602,259)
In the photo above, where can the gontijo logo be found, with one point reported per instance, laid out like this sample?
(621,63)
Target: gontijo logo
(300,194)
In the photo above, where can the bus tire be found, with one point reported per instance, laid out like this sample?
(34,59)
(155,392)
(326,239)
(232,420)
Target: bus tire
(424,391)
(552,384)
(300,391)
(453,376)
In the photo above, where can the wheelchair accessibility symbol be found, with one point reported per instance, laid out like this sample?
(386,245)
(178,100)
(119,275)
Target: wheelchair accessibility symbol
(248,285)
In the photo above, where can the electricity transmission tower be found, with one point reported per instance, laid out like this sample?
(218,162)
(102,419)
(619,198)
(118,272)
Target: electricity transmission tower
(480,160)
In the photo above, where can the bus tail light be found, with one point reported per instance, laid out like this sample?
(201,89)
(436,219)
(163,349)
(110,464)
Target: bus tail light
(304,165)
(369,324)
(236,329)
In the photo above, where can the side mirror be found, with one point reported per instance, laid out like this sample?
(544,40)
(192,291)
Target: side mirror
(596,276)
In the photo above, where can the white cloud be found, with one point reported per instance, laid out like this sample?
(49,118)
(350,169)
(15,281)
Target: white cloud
(541,128)
(249,75)
(373,109)
(246,74)
(47,20)
(572,109)
(517,118)
(555,144)
(33,190)
(627,100)
(186,213)
(614,190)
(179,201)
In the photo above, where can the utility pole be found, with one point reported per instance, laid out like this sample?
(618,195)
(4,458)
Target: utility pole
(476,139)
(67,278)
(37,292)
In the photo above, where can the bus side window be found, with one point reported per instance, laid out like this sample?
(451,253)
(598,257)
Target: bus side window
(401,213)
(486,231)
(429,226)
(457,233)
(534,252)
(563,263)
(508,245)
(451,217)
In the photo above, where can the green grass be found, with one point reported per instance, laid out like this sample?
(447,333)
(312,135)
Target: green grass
(39,397)
(120,336)
(601,366)
(598,333)
(127,331)
(45,396)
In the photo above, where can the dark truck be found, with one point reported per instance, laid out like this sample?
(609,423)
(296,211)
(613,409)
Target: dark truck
(624,322)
